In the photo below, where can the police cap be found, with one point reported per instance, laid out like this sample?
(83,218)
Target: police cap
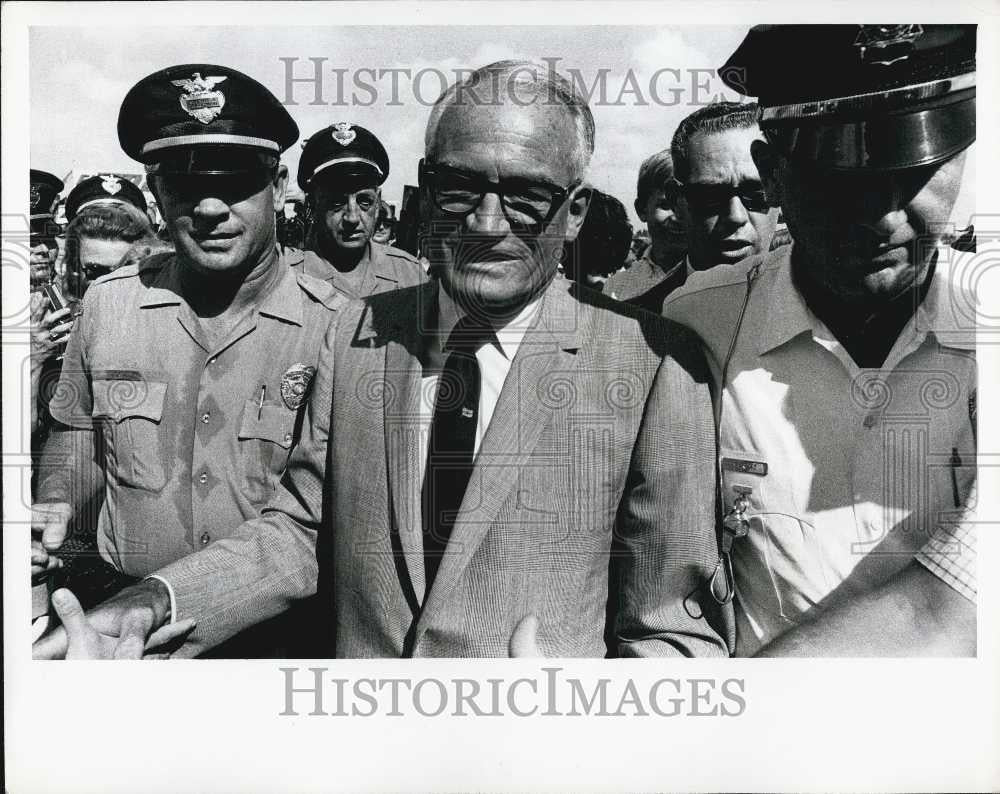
(861,97)
(203,119)
(103,189)
(45,187)
(343,151)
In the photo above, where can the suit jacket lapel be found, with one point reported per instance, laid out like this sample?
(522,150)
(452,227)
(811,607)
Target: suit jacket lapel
(401,405)
(517,423)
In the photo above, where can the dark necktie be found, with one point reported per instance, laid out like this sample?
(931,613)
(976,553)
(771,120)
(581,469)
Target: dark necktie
(452,441)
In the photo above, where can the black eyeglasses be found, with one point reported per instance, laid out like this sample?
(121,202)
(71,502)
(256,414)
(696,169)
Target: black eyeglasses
(713,199)
(525,202)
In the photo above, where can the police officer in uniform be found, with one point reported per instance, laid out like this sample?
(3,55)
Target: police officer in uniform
(846,361)
(45,189)
(192,366)
(101,191)
(341,171)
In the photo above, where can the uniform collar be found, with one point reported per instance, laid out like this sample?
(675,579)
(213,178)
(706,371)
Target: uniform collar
(373,261)
(948,310)
(282,300)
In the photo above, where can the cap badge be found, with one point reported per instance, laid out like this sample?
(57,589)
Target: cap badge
(36,195)
(111,184)
(343,134)
(199,100)
(295,384)
(884,45)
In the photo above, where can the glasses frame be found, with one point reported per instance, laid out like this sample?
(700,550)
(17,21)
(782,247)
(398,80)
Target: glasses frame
(429,172)
(682,188)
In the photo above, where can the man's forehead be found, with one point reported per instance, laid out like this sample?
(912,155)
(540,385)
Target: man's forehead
(539,136)
(722,156)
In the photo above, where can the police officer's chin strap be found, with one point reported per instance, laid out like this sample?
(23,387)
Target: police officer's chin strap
(734,521)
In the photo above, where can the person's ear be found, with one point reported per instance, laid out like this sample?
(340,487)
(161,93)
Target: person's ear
(579,204)
(640,209)
(152,182)
(280,185)
(768,162)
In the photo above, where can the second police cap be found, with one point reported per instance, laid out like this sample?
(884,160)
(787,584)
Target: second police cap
(861,97)
(343,150)
(103,189)
(203,118)
(44,189)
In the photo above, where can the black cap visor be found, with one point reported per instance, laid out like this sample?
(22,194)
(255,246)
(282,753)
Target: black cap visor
(207,160)
(890,141)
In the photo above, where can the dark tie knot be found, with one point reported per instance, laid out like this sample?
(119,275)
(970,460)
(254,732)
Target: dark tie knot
(469,334)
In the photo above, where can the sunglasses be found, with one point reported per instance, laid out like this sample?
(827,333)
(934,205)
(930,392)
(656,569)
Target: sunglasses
(713,199)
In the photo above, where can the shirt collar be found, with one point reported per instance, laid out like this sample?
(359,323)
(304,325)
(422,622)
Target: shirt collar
(508,336)
(948,310)
(787,312)
(281,301)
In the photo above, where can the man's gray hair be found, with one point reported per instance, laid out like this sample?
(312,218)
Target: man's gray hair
(526,82)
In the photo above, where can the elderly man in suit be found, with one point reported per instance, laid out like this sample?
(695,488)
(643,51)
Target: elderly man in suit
(492,450)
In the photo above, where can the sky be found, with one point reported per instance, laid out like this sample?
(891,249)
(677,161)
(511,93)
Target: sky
(643,80)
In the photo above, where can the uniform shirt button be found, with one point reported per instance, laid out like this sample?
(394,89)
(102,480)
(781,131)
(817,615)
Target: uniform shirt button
(204,538)
(203,478)
(204,417)
(870,421)
(288,438)
(212,360)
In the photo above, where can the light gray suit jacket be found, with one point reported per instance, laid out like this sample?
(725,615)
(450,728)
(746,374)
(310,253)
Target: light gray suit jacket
(590,503)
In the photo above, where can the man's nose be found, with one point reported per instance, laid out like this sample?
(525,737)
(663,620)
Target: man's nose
(352,212)
(489,218)
(736,213)
(882,208)
(210,208)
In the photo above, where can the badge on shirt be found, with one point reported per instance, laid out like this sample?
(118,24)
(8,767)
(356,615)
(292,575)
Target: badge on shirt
(295,385)
(744,466)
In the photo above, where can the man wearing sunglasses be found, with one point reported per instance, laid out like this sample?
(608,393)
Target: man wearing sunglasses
(717,192)
(341,172)
(848,413)
(498,460)
(191,368)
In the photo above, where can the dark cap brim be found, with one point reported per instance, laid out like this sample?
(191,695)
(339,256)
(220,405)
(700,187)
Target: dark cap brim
(887,142)
(210,160)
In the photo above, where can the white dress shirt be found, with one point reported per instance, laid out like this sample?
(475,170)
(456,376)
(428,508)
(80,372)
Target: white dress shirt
(494,363)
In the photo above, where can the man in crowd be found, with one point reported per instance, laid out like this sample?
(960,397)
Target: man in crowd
(717,191)
(192,367)
(663,258)
(341,171)
(476,456)
(848,384)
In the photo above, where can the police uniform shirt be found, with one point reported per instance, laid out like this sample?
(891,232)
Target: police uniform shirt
(845,464)
(382,268)
(197,436)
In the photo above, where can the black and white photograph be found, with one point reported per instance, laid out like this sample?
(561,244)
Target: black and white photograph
(399,392)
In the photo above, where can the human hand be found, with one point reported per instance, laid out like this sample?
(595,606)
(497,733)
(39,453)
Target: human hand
(49,329)
(130,625)
(49,522)
(523,642)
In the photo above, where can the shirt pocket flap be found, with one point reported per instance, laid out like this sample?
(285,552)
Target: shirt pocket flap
(126,399)
(268,422)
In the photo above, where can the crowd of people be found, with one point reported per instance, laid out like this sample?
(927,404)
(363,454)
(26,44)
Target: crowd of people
(497,425)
